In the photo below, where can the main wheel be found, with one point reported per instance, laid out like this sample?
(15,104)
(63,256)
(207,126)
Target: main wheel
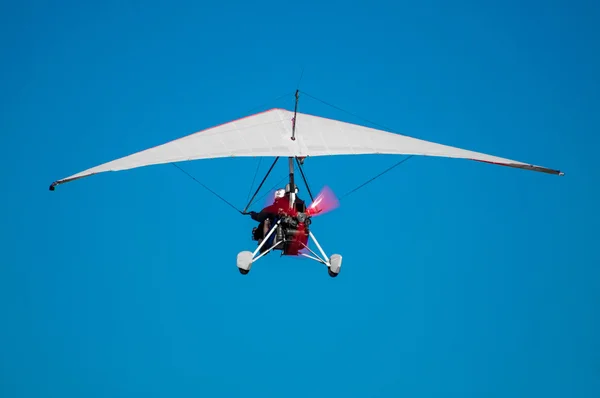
(244,262)
(335,265)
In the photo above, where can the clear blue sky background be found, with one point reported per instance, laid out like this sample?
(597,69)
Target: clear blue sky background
(459,278)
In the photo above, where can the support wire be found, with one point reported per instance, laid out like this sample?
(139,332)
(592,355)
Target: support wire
(207,188)
(260,186)
(377,176)
(219,196)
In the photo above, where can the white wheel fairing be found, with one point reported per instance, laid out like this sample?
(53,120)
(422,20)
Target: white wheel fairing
(335,263)
(244,260)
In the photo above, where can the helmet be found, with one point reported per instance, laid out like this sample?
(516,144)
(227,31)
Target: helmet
(280,193)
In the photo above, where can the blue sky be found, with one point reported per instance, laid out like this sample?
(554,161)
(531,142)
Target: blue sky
(459,278)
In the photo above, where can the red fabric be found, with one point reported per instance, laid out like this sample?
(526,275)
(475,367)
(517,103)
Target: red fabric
(281,205)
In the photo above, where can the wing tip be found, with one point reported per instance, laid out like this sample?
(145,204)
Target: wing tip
(539,169)
(547,170)
(53,185)
(525,167)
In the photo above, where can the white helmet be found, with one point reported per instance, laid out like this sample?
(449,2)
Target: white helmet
(280,193)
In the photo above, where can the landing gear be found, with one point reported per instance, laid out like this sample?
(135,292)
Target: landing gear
(291,229)
(335,264)
(244,262)
(245,259)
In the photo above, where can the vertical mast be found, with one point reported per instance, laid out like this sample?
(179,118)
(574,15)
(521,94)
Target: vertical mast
(294,119)
(291,159)
(292,185)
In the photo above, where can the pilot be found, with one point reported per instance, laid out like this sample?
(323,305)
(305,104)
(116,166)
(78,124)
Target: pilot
(280,203)
(267,215)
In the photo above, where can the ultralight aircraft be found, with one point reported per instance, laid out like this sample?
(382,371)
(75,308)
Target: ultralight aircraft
(296,136)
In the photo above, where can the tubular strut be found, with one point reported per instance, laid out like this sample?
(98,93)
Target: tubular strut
(294,119)
(290,165)
(260,186)
(305,181)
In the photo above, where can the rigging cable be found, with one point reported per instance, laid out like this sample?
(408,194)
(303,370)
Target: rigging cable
(345,111)
(216,194)
(377,176)
(260,186)
(270,189)
(254,179)
(207,188)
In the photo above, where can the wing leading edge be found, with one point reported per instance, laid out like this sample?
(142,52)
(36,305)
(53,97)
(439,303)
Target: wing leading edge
(269,134)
